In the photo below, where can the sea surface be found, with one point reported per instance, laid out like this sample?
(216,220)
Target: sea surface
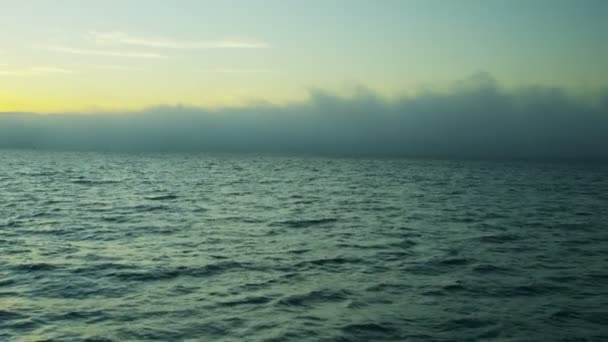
(202,247)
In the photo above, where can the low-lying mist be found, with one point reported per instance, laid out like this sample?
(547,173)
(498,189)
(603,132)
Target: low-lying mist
(476,118)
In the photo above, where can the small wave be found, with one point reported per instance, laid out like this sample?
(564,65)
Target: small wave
(38,174)
(83,181)
(11,223)
(7,282)
(499,238)
(171,273)
(404,243)
(315,297)
(254,300)
(9,294)
(465,323)
(490,334)
(454,262)
(599,278)
(100,267)
(454,288)
(305,223)
(329,262)
(358,246)
(369,328)
(39,214)
(574,226)
(94,182)
(387,287)
(149,208)
(489,269)
(162,198)
(535,290)
(298,251)
(564,315)
(438,266)
(450,290)
(81,315)
(97,339)
(9,315)
(35,267)
(115,219)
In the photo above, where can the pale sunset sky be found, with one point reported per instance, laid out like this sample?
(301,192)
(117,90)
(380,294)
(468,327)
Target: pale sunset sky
(73,55)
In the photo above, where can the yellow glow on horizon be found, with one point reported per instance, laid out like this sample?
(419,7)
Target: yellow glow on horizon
(57,103)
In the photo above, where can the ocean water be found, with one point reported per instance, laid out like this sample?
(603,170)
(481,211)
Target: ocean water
(199,247)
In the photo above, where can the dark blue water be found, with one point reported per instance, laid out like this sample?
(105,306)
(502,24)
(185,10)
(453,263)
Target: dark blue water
(201,247)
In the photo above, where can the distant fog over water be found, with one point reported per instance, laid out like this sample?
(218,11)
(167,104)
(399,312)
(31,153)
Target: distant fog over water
(476,117)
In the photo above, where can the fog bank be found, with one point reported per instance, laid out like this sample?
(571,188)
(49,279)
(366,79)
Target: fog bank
(475,118)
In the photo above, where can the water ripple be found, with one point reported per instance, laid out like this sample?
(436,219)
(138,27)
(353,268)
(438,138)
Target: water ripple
(112,247)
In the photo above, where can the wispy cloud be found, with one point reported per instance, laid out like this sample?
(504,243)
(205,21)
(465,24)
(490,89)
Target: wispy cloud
(31,71)
(107,53)
(157,42)
(237,71)
(110,67)
(236,44)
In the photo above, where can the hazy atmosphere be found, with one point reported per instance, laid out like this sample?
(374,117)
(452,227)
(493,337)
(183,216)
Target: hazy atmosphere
(472,118)
(303,170)
(401,78)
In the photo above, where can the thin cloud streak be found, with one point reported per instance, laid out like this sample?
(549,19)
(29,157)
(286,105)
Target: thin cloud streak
(237,71)
(236,44)
(33,71)
(123,38)
(107,53)
(110,67)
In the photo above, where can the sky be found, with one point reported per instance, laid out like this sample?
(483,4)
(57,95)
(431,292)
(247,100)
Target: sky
(436,78)
(129,55)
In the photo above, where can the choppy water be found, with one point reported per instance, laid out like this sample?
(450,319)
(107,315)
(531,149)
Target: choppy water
(200,247)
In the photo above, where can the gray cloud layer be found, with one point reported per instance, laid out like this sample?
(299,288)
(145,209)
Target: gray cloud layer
(475,119)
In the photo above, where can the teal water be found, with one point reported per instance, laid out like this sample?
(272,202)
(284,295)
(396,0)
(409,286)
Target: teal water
(112,247)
